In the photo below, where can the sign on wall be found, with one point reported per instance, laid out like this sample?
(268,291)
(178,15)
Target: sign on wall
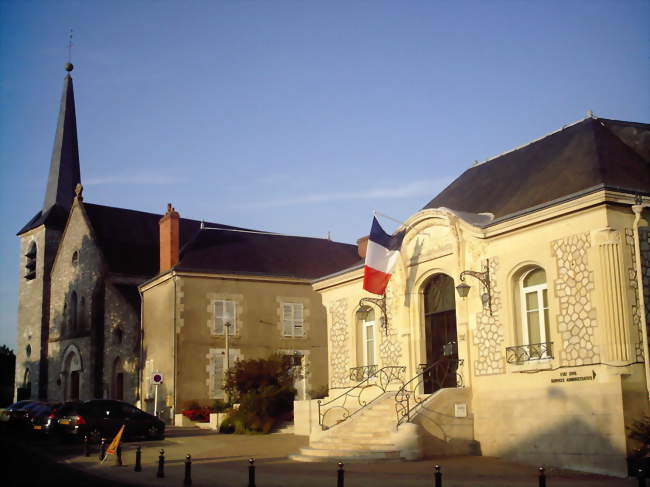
(157,378)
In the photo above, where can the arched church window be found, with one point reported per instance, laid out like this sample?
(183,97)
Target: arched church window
(30,263)
(28,350)
(118,335)
(75,257)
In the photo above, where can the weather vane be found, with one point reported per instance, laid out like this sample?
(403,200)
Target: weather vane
(70,47)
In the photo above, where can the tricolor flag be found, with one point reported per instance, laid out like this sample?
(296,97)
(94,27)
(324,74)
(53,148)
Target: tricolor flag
(381,255)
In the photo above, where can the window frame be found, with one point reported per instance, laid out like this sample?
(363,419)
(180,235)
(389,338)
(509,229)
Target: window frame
(233,329)
(538,289)
(365,325)
(293,320)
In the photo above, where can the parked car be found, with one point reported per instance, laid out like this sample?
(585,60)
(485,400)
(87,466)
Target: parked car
(102,418)
(44,417)
(15,417)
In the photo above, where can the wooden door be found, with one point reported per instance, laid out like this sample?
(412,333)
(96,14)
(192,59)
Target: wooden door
(442,350)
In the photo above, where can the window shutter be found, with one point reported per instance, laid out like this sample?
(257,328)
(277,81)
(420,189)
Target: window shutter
(217,375)
(287,321)
(297,320)
(218,317)
(230,316)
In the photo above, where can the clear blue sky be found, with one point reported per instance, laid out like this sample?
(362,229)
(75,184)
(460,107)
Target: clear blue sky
(297,116)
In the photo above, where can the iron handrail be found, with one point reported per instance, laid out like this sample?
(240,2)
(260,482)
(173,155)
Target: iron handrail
(440,372)
(358,374)
(385,376)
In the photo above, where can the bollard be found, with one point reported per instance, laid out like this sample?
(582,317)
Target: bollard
(251,472)
(542,477)
(438,476)
(340,479)
(102,449)
(86,449)
(188,470)
(138,459)
(118,456)
(161,464)
(640,477)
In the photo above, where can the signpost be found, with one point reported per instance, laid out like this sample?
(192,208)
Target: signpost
(156,380)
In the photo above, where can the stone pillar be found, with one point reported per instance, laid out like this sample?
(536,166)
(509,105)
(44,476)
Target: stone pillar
(614,297)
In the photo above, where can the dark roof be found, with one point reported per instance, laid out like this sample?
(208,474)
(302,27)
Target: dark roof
(64,166)
(593,153)
(265,254)
(55,217)
(130,239)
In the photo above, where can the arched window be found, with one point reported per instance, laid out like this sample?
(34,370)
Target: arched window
(367,337)
(534,302)
(81,320)
(118,380)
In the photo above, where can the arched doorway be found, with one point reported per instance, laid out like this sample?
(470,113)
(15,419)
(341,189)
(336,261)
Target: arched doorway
(440,333)
(71,373)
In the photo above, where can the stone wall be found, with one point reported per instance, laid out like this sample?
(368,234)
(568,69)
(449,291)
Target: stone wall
(576,320)
(339,343)
(489,336)
(644,244)
(633,283)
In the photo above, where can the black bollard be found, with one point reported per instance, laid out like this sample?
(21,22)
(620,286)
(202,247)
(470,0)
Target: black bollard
(118,456)
(640,477)
(102,449)
(86,449)
(542,477)
(340,479)
(188,470)
(438,476)
(251,472)
(161,464)
(138,459)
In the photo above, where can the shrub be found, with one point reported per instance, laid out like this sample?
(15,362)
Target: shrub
(264,389)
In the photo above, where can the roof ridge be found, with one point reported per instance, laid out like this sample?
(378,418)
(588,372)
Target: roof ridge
(564,127)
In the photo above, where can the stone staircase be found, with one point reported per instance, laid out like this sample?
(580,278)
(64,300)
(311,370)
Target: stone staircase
(367,436)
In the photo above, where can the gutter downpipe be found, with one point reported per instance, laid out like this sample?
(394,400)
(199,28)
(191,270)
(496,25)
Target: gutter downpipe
(637,210)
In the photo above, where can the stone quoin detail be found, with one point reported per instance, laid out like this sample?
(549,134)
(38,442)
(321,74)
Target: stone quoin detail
(339,344)
(489,336)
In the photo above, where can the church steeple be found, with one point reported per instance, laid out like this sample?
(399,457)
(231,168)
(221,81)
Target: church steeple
(64,167)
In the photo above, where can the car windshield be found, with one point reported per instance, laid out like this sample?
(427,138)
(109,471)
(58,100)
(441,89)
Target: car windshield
(19,404)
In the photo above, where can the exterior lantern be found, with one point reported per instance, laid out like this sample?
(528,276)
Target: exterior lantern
(463,289)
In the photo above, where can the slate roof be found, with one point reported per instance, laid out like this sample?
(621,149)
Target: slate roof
(129,240)
(265,254)
(592,154)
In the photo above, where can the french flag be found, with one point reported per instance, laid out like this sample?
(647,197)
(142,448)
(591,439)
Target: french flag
(381,256)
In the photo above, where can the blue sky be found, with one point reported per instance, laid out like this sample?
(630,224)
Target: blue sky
(297,117)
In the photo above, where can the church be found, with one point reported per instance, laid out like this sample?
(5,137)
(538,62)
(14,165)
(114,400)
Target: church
(80,312)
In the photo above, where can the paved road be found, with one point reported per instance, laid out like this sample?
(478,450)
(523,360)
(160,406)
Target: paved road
(222,461)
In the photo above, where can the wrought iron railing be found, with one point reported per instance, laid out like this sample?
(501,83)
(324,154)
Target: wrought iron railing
(357,374)
(526,353)
(360,395)
(442,374)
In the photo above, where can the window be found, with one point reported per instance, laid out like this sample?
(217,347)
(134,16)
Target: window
(224,315)
(292,320)
(534,307)
(30,263)
(217,370)
(366,333)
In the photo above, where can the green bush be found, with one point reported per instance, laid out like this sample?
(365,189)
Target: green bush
(264,389)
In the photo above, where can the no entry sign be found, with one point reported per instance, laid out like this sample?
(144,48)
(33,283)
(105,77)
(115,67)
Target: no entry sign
(156,378)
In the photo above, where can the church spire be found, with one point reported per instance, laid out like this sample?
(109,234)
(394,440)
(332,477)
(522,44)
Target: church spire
(64,167)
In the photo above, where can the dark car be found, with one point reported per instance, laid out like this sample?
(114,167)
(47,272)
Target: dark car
(16,416)
(44,417)
(102,418)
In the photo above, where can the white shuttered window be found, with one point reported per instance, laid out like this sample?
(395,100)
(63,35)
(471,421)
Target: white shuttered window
(225,311)
(292,320)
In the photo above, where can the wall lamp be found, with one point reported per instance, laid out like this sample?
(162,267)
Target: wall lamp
(484,278)
(381,304)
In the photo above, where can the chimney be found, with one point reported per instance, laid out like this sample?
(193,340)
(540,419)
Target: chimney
(170,239)
(362,245)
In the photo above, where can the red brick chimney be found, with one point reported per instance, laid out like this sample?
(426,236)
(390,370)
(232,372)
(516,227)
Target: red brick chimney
(170,238)
(362,246)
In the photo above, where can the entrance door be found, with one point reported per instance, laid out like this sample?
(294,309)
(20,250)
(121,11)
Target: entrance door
(440,334)
(74,385)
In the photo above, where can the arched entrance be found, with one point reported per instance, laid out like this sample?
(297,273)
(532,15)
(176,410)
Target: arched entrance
(71,373)
(440,333)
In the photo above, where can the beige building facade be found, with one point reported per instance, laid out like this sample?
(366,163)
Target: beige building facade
(544,360)
(264,301)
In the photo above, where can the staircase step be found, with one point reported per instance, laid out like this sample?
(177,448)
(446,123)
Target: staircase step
(340,453)
(352,446)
